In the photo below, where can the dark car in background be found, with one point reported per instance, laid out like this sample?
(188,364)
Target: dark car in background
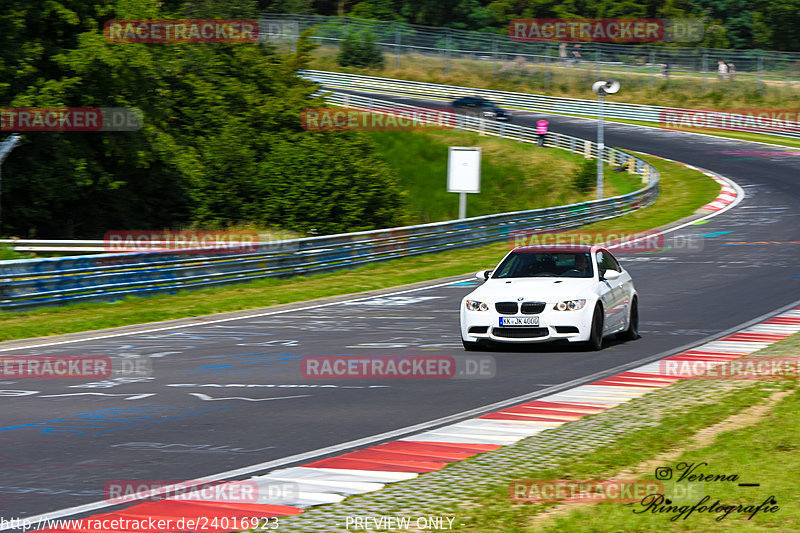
(481,107)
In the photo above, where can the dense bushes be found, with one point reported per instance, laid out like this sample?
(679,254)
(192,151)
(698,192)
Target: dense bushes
(359,50)
(221,143)
(585,177)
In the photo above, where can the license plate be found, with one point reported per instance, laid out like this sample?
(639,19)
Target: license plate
(519,321)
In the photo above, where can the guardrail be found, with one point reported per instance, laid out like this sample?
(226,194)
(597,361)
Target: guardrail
(532,102)
(93,245)
(30,283)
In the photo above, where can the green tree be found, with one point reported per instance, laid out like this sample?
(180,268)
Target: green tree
(359,49)
(221,140)
(776,24)
(735,15)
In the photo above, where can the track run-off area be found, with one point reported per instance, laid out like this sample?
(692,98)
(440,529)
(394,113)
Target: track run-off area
(228,398)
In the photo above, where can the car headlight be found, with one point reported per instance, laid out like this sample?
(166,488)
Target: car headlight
(570,305)
(489,113)
(474,305)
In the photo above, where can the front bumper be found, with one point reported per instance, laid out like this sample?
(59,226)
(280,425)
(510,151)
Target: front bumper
(572,326)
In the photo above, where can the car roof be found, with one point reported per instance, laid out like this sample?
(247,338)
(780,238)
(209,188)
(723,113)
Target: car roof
(559,248)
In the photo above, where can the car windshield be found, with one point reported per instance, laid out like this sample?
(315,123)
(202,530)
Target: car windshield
(545,264)
(487,103)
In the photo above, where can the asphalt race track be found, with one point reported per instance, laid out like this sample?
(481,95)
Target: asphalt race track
(226,395)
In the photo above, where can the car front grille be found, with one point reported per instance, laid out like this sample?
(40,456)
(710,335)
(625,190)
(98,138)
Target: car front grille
(506,308)
(519,333)
(532,308)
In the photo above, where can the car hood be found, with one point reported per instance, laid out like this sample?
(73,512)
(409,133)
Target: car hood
(548,290)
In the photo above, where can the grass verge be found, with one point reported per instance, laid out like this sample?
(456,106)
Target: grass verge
(514,175)
(682,192)
(761,450)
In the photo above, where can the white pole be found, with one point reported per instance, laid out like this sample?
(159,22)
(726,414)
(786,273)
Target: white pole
(5,149)
(600,146)
(462,205)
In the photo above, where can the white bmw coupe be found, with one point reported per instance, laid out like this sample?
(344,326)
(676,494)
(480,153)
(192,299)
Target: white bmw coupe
(577,293)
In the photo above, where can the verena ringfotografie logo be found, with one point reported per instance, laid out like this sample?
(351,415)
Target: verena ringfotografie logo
(746,120)
(398,367)
(181,241)
(181,31)
(572,490)
(125,491)
(611,30)
(70,119)
(619,241)
(378,119)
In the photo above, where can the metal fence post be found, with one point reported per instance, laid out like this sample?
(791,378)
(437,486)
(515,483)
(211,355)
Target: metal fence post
(598,56)
(397,48)
(789,77)
(447,54)
(705,70)
(495,58)
(653,68)
(547,66)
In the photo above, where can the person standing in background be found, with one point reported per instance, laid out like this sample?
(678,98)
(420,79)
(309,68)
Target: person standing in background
(722,69)
(541,131)
(576,54)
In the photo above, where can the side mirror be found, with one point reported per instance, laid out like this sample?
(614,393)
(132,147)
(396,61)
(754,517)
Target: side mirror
(611,275)
(483,274)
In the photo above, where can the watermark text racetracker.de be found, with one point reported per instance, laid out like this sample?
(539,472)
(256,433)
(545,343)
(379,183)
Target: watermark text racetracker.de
(775,121)
(398,367)
(587,490)
(79,119)
(123,241)
(244,491)
(619,241)
(376,119)
(606,30)
(755,367)
(81,367)
(183,31)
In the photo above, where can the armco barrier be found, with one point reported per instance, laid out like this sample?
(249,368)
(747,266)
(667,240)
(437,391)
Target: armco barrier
(30,283)
(533,102)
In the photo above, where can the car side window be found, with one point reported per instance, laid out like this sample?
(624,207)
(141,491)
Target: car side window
(614,262)
(508,266)
(603,263)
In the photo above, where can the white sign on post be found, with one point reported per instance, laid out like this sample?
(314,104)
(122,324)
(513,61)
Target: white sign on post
(464,174)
